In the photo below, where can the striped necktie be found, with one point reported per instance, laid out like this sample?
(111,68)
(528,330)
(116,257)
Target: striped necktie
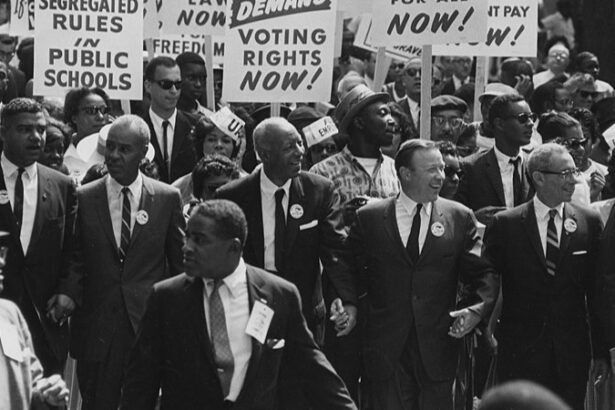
(223,356)
(125,231)
(552,244)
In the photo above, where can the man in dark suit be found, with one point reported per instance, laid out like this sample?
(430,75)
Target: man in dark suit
(169,127)
(410,253)
(462,67)
(129,236)
(218,336)
(546,252)
(37,208)
(497,179)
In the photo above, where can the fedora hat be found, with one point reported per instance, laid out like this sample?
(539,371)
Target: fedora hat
(356,99)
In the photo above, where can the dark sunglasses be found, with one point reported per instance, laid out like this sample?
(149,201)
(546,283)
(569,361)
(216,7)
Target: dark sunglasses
(321,148)
(398,66)
(167,84)
(93,110)
(587,94)
(412,72)
(575,144)
(450,171)
(524,117)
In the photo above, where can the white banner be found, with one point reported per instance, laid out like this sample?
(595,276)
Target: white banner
(363,39)
(206,17)
(173,45)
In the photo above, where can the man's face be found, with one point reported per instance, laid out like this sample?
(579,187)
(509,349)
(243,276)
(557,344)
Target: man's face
(578,146)
(378,123)
(7,51)
(161,98)
(412,78)
(91,115)
(462,67)
(556,188)
(591,66)
(558,58)
(562,101)
(452,173)
(217,142)
(446,125)
(123,153)
(193,81)
(425,176)
(284,154)
(396,69)
(53,153)
(516,127)
(24,138)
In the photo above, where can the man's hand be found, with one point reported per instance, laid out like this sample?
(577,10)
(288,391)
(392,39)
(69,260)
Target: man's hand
(465,322)
(53,390)
(485,215)
(596,184)
(523,84)
(59,308)
(344,317)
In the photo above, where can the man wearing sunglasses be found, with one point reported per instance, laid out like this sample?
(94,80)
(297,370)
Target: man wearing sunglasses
(546,251)
(447,118)
(169,127)
(411,77)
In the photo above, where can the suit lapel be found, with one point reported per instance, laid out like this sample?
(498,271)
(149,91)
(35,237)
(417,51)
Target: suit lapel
(255,219)
(6,217)
(525,180)
(43,196)
(147,199)
(528,218)
(565,237)
(102,206)
(392,230)
(493,172)
(296,197)
(195,309)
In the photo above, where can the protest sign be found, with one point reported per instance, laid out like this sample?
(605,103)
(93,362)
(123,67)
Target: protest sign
(173,45)
(228,123)
(512,31)
(320,130)
(363,39)
(421,22)
(21,21)
(151,23)
(282,50)
(206,17)
(101,46)
(355,6)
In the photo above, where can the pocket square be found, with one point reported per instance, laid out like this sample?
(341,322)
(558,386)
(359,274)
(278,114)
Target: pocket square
(308,225)
(579,252)
(275,344)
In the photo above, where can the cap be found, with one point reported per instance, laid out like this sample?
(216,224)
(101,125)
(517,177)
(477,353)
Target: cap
(356,99)
(448,102)
(495,90)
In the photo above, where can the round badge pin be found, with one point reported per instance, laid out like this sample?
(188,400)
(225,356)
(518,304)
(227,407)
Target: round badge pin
(142,217)
(296,211)
(4,197)
(437,229)
(570,225)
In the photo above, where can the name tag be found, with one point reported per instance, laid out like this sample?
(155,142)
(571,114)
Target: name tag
(259,321)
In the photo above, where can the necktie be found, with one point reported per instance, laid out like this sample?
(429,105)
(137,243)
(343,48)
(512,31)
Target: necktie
(165,149)
(412,247)
(280,229)
(18,205)
(517,188)
(552,244)
(223,356)
(125,231)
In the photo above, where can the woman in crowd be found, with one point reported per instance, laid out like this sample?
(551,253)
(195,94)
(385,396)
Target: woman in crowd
(583,90)
(587,62)
(452,169)
(58,137)
(551,96)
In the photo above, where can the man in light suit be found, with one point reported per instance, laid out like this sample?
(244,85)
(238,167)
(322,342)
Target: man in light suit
(218,336)
(546,252)
(37,208)
(410,254)
(129,231)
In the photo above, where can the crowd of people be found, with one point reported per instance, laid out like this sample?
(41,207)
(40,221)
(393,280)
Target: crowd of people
(181,265)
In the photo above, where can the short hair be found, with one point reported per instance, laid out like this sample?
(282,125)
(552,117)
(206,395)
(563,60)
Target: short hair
(521,394)
(557,40)
(73,99)
(407,150)
(543,95)
(19,106)
(188,57)
(501,105)
(553,124)
(263,129)
(541,157)
(164,61)
(230,221)
(135,121)
(209,166)
(199,131)
(588,122)
(60,126)
(580,58)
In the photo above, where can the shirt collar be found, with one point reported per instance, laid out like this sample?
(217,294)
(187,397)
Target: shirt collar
(233,281)
(542,211)
(412,104)
(135,187)
(351,157)
(8,168)
(157,120)
(504,159)
(269,188)
(410,204)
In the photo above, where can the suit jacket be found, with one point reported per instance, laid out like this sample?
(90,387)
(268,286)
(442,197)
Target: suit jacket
(449,86)
(173,352)
(32,279)
(606,271)
(541,309)
(403,297)
(100,283)
(481,184)
(414,128)
(315,236)
(183,157)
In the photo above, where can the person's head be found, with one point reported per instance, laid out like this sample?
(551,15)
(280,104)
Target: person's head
(447,66)
(396,69)
(209,139)
(437,80)
(553,173)
(511,121)
(587,62)
(25,53)
(215,235)
(4,77)
(280,149)
(5,11)
(582,88)
(369,63)
(466,143)
(566,130)
(492,90)
(210,173)
(127,144)
(462,66)
(300,118)
(452,169)
(521,395)
(347,83)
(411,78)
(588,122)
(551,96)
(163,83)
(558,57)
(447,118)
(401,132)
(193,75)
(8,44)
(554,124)
(85,110)
(23,131)
(513,69)
(55,143)
(420,170)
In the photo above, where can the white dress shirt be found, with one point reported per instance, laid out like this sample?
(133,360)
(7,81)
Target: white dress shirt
(157,124)
(506,173)
(268,190)
(405,209)
(236,303)
(30,196)
(542,219)
(457,82)
(115,198)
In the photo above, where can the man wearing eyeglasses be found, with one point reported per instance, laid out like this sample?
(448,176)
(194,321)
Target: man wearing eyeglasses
(462,66)
(545,251)
(169,127)
(17,79)
(447,118)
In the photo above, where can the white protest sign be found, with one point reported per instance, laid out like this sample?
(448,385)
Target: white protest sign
(228,122)
(21,20)
(319,131)
(355,6)
(205,17)
(151,23)
(282,51)
(89,44)
(422,22)
(363,39)
(512,31)
(173,45)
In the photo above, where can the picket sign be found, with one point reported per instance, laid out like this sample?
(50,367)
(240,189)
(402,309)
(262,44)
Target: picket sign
(426,67)
(209,69)
(481,79)
(382,68)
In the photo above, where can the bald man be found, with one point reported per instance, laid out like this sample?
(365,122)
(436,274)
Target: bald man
(130,233)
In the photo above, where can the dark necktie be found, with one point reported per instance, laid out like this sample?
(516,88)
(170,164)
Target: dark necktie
(18,206)
(552,244)
(517,188)
(223,356)
(165,150)
(125,231)
(280,230)
(412,247)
